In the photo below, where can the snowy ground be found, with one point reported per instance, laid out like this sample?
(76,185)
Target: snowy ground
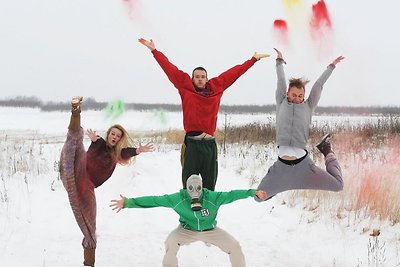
(37,227)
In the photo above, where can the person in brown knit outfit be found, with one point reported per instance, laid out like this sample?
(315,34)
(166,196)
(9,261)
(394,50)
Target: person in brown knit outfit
(81,172)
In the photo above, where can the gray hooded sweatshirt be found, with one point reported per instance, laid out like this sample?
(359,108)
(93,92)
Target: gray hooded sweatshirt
(293,120)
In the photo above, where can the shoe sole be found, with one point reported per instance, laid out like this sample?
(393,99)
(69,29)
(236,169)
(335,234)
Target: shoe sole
(328,135)
(76,100)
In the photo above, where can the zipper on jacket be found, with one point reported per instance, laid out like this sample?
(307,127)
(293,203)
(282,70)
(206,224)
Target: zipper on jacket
(291,127)
(198,221)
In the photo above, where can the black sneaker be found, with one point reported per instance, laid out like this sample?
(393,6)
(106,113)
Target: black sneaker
(325,145)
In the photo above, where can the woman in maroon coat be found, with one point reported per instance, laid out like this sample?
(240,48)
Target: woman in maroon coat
(81,171)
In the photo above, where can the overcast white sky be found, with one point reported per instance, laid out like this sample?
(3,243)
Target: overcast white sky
(54,49)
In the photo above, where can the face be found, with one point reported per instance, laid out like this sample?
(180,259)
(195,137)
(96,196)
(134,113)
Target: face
(295,95)
(113,137)
(194,186)
(199,78)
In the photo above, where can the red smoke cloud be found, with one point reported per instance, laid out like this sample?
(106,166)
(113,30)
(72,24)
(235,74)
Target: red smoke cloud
(320,21)
(281,31)
(321,29)
(130,6)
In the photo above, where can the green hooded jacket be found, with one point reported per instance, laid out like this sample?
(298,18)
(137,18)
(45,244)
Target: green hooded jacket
(202,220)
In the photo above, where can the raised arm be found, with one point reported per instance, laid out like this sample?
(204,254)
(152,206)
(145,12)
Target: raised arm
(337,60)
(259,56)
(180,79)
(92,135)
(281,87)
(227,78)
(149,44)
(316,90)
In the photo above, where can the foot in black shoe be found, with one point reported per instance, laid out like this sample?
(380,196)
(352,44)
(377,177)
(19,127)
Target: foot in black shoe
(325,145)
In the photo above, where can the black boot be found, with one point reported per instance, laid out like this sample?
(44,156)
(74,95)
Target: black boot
(325,145)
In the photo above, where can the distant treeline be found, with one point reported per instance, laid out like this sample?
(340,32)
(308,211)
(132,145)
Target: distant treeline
(92,104)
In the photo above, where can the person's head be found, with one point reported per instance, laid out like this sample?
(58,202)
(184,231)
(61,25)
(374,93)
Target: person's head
(194,187)
(296,91)
(199,77)
(118,138)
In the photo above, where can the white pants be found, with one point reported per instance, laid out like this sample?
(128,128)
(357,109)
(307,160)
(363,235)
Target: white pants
(216,237)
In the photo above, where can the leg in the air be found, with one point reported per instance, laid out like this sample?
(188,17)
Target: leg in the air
(75,121)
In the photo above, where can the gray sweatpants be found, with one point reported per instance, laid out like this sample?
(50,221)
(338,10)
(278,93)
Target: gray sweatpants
(304,175)
(216,237)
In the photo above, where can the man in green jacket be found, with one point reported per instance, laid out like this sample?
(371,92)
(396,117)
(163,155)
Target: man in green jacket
(197,208)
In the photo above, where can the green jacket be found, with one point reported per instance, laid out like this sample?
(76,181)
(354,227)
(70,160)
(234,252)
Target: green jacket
(202,220)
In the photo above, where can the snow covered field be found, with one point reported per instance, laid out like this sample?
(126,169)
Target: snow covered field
(37,227)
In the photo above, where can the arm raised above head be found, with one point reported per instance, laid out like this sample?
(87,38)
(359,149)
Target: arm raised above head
(149,44)
(281,86)
(259,56)
(316,90)
(180,79)
(337,60)
(279,55)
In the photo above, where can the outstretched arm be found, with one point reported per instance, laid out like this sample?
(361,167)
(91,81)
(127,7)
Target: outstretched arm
(180,79)
(227,78)
(280,93)
(167,201)
(222,198)
(337,60)
(149,44)
(279,55)
(316,90)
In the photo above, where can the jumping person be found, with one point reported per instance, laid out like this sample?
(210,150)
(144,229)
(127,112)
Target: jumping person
(197,208)
(201,99)
(81,172)
(294,168)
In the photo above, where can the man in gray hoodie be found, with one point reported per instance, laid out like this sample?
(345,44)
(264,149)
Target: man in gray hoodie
(294,168)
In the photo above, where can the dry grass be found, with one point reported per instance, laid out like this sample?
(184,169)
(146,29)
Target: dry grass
(369,155)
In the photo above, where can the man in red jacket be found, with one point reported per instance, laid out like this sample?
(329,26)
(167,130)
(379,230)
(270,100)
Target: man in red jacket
(201,98)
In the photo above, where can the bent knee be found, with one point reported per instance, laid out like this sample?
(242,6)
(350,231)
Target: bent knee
(338,188)
(233,248)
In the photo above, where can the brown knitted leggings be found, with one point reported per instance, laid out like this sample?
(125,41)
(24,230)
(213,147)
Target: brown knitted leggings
(79,188)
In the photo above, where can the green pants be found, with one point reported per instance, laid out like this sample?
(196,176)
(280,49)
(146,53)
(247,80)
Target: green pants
(199,156)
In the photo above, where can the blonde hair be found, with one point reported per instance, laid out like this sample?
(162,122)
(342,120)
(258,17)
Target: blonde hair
(124,142)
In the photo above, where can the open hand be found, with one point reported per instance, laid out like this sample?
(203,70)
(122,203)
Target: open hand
(146,148)
(337,60)
(279,55)
(260,56)
(149,44)
(118,204)
(92,135)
